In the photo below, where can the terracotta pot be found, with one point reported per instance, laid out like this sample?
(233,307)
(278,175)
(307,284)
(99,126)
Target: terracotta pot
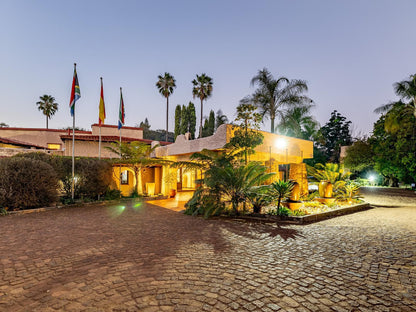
(172,193)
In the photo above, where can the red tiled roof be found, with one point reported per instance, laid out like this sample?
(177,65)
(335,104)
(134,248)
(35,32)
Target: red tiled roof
(113,126)
(20,143)
(108,138)
(44,129)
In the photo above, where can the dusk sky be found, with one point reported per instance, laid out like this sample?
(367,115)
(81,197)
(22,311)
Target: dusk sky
(349,52)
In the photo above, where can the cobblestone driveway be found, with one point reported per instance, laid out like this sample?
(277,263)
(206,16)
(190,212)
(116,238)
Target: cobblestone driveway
(152,259)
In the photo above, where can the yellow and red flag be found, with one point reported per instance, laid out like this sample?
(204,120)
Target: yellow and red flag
(101,114)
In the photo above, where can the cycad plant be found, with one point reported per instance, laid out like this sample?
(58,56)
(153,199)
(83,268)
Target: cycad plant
(280,190)
(226,182)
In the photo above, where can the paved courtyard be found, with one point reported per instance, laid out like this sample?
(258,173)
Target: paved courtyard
(147,258)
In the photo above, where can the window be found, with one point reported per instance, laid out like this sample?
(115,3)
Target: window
(124,177)
(54,146)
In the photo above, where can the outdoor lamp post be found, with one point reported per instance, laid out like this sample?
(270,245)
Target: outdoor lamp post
(281,143)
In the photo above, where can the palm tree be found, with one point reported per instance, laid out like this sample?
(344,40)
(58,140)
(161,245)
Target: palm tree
(272,95)
(166,84)
(202,89)
(298,122)
(48,106)
(406,90)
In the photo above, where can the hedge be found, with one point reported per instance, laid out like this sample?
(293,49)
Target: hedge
(27,183)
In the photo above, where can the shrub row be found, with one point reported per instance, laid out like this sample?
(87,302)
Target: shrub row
(36,179)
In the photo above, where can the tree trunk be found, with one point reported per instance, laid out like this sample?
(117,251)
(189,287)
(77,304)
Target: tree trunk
(200,126)
(46,121)
(167,117)
(272,124)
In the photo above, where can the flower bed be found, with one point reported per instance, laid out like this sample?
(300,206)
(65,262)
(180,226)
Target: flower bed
(310,211)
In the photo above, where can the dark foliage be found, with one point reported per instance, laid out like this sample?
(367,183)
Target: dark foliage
(27,183)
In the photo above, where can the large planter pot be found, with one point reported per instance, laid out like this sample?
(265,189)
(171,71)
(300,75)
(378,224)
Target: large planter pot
(328,190)
(322,187)
(294,205)
(325,189)
(172,193)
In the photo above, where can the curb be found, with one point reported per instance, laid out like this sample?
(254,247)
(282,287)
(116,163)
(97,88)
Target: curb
(308,218)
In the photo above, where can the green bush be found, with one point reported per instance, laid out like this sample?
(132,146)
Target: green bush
(26,183)
(93,177)
(112,194)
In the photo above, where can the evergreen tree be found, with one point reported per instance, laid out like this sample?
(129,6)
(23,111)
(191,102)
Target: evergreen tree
(192,119)
(146,127)
(178,121)
(205,128)
(335,133)
(184,120)
(246,136)
(211,123)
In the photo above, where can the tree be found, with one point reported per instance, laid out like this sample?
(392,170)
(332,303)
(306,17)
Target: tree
(273,95)
(165,85)
(220,119)
(394,152)
(209,125)
(137,156)
(359,156)
(335,133)
(211,122)
(298,122)
(246,135)
(178,117)
(202,89)
(406,90)
(184,127)
(48,106)
(192,119)
(3,125)
(205,129)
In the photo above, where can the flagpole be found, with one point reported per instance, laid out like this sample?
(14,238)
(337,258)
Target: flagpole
(120,144)
(99,140)
(73,148)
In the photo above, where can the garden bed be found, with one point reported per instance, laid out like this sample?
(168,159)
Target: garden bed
(307,218)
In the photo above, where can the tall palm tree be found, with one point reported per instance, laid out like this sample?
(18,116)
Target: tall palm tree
(166,84)
(406,90)
(203,90)
(48,106)
(273,95)
(298,122)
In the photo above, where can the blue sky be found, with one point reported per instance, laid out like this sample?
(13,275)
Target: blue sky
(349,52)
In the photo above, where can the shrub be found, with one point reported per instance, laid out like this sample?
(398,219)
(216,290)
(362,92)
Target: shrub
(26,183)
(112,194)
(281,211)
(93,177)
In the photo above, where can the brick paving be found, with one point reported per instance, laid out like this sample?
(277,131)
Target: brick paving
(148,258)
